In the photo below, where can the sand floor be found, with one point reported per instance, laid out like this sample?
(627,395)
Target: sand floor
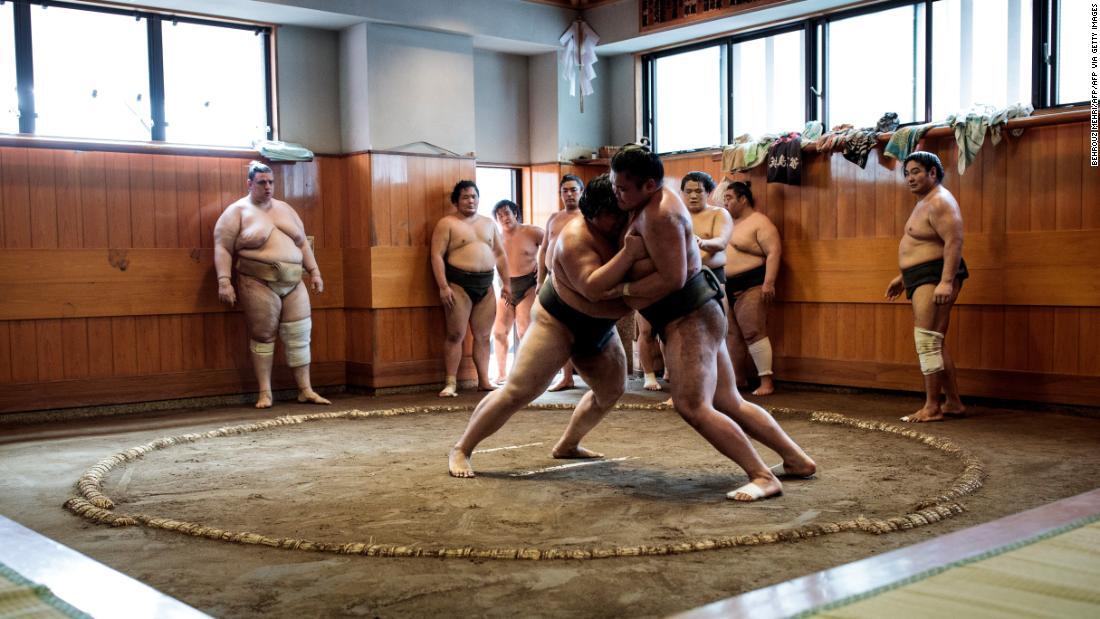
(383,480)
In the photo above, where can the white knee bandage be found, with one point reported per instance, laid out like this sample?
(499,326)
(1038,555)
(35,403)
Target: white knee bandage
(929,350)
(761,352)
(295,337)
(263,349)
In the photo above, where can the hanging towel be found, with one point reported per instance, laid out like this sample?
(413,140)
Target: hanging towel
(904,141)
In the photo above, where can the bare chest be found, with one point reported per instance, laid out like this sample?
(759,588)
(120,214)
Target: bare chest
(466,234)
(257,226)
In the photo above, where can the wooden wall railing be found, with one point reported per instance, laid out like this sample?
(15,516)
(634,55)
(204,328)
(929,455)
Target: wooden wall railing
(105,263)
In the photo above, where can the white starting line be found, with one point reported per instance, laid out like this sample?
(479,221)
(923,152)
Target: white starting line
(485,451)
(571,465)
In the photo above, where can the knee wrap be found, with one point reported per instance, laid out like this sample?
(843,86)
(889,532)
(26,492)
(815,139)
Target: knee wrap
(761,353)
(263,349)
(295,337)
(929,350)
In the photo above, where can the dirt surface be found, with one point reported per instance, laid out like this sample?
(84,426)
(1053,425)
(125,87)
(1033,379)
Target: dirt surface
(383,480)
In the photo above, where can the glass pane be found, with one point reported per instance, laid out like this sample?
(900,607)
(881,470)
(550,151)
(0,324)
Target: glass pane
(981,54)
(769,77)
(876,65)
(91,74)
(9,97)
(689,100)
(214,85)
(1074,56)
(494,185)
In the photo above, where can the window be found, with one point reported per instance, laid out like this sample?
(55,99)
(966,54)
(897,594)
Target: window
(769,84)
(981,54)
(494,185)
(874,65)
(1072,60)
(91,74)
(689,100)
(9,96)
(207,99)
(105,72)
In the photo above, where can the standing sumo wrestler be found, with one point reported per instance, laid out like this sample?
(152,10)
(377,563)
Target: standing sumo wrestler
(272,252)
(521,243)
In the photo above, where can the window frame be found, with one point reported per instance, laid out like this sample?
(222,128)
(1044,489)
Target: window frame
(24,60)
(1044,72)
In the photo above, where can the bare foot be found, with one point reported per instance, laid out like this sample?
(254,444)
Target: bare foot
(651,386)
(574,453)
(924,415)
(450,391)
(264,400)
(312,397)
(953,409)
(767,387)
(458,464)
(486,387)
(565,383)
(797,470)
(666,376)
(759,488)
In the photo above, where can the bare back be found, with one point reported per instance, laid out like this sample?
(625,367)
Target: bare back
(469,242)
(579,251)
(554,226)
(921,242)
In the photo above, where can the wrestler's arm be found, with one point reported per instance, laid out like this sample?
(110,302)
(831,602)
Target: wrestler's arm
(945,218)
(665,242)
(226,230)
(502,264)
(600,282)
(441,238)
(718,242)
(540,261)
(309,261)
(767,236)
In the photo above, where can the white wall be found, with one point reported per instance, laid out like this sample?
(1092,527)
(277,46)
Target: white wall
(501,118)
(623,109)
(354,109)
(309,88)
(421,88)
(543,88)
(582,133)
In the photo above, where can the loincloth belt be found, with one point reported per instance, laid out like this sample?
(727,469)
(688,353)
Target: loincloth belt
(520,287)
(280,277)
(475,283)
(590,334)
(929,273)
(745,280)
(699,290)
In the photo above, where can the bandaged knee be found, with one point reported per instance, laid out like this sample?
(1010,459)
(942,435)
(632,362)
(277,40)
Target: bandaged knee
(929,350)
(295,337)
(761,353)
(262,349)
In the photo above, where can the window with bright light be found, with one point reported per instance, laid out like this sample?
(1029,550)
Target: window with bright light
(9,96)
(494,185)
(1073,59)
(215,85)
(769,84)
(875,65)
(981,54)
(91,74)
(689,100)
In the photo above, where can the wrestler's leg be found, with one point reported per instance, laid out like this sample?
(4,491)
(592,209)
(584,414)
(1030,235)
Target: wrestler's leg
(261,307)
(482,317)
(952,405)
(502,327)
(523,314)
(925,313)
(457,317)
(605,373)
(752,319)
(735,344)
(539,356)
(692,347)
(647,352)
(296,308)
(757,422)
